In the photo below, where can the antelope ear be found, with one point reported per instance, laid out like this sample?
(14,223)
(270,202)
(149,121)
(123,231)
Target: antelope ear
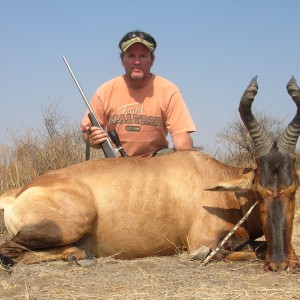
(240,183)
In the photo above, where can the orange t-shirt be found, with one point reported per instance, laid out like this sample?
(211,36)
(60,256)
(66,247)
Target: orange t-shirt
(142,118)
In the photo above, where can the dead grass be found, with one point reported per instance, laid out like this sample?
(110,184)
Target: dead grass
(149,278)
(33,152)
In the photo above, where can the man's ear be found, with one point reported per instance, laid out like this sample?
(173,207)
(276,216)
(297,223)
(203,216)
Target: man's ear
(121,57)
(153,58)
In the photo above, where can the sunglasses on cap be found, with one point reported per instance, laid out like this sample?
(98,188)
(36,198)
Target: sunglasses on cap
(137,37)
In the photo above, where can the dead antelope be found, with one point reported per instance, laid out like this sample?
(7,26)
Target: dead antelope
(137,207)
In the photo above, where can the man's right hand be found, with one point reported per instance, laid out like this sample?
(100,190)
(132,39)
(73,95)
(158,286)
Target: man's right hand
(97,136)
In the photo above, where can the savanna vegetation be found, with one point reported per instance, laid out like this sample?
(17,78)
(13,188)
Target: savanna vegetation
(32,152)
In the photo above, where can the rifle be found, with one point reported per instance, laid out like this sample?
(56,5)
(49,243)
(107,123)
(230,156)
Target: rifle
(108,149)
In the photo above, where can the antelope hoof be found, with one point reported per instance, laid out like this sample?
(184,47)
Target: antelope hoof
(200,253)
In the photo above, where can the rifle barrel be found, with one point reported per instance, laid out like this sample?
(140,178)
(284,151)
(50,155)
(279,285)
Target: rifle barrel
(78,85)
(107,147)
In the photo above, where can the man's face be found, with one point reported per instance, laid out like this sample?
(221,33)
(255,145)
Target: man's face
(137,61)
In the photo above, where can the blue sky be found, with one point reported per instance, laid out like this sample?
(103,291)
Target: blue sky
(209,49)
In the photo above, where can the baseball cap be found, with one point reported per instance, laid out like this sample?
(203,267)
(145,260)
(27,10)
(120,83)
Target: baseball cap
(137,36)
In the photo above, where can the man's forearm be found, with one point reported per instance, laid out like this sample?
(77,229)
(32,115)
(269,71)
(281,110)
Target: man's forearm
(183,141)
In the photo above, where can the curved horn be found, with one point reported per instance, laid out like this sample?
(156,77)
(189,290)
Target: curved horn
(287,140)
(262,141)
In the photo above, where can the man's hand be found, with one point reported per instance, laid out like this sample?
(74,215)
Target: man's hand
(97,136)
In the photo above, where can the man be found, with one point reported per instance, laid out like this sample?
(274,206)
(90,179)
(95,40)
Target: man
(142,107)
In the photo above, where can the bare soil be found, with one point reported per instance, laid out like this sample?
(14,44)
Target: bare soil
(174,277)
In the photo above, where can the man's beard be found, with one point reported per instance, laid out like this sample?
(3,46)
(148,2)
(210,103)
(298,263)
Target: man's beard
(138,76)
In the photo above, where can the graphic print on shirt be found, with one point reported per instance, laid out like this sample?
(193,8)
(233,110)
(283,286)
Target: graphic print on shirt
(134,116)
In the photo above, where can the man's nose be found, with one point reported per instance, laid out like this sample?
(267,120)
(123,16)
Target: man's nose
(137,60)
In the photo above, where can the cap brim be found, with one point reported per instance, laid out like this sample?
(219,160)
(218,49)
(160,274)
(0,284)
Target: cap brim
(135,40)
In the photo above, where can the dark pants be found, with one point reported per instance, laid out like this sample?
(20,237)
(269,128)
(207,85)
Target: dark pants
(163,151)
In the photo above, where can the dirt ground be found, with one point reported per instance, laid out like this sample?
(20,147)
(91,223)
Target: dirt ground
(174,277)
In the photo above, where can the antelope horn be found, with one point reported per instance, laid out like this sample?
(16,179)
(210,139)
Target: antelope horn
(287,140)
(262,141)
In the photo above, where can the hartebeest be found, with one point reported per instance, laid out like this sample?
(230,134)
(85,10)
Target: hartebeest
(137,207)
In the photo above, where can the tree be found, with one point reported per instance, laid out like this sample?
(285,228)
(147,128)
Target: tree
(237,145)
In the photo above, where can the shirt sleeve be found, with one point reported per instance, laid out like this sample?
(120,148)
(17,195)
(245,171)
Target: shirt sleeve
(178,118)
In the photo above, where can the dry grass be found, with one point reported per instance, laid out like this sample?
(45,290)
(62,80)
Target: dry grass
(34,152)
